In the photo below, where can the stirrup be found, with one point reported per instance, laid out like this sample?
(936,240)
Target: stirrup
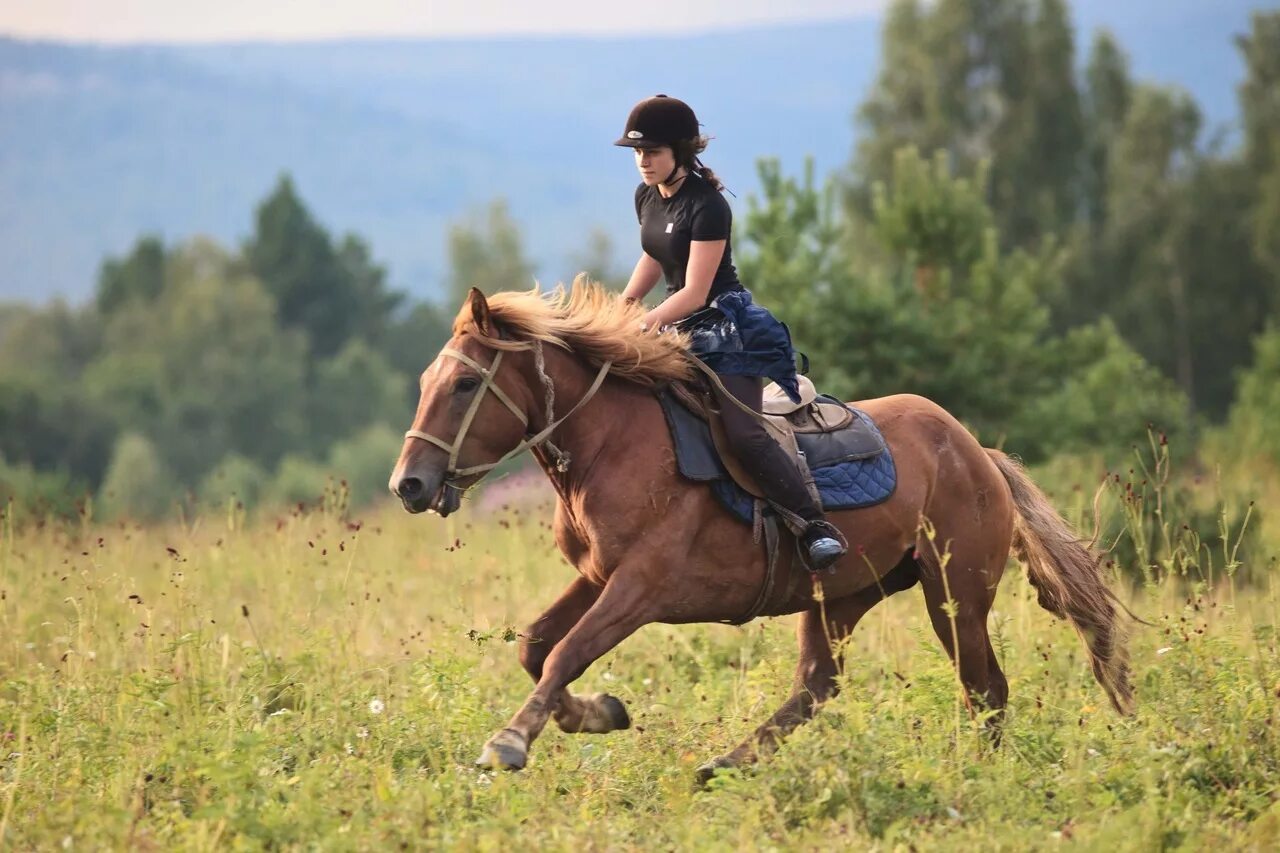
(821,546)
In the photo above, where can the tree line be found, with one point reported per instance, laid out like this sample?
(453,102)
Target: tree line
(1054,251)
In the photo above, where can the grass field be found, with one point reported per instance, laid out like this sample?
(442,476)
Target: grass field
(313,680)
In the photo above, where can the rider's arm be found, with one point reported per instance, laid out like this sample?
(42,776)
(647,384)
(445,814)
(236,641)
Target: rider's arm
(643,278)
(704,260)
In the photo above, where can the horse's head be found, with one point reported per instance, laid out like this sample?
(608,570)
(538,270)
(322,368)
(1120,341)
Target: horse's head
(472,413)
(491,393)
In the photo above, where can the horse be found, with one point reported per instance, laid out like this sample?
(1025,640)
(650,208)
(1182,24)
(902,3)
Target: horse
(650,546)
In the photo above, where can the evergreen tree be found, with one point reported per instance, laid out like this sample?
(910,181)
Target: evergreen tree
(1260,112)
(330,293)
(139,276)
(945,312)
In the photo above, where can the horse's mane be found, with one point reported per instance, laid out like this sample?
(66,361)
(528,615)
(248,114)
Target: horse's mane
(585,319)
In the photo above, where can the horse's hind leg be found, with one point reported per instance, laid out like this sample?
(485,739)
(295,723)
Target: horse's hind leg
(598,713)
(958,605)
(816,672)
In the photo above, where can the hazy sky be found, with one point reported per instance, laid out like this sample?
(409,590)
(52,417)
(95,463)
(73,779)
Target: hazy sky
(192,20)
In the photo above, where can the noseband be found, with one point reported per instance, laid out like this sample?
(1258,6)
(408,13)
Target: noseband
(489,383)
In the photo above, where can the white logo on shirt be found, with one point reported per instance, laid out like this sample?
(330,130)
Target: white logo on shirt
(670,225)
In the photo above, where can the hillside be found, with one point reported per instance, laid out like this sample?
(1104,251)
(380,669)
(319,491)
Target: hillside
(396,139)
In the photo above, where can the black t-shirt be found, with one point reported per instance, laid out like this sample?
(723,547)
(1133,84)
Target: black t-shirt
(667,225)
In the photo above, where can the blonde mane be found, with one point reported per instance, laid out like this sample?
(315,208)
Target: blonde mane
(588,320)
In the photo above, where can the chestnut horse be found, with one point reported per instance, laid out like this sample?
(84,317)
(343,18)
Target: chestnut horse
(650,546)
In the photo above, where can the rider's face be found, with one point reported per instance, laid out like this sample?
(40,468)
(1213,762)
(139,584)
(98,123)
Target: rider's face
(655,164)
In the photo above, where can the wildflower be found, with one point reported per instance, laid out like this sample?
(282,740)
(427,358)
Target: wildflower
(362,733)
(376,706)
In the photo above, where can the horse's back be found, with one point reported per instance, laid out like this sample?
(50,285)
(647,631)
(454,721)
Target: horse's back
(896,412)
(922,434)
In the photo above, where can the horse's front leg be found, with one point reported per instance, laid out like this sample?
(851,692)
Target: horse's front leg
(599,713)
(622,608)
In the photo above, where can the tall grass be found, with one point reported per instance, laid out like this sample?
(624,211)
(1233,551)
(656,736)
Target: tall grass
(316,679)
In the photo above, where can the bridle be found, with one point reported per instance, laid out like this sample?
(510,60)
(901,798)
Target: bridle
(489,383)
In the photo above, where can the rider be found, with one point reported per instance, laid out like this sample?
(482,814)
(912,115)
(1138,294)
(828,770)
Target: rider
(684,232)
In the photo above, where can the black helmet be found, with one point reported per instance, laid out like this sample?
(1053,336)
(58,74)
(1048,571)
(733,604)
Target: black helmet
(657,121)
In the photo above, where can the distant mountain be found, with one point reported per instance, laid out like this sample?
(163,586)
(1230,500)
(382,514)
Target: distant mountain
(397,139)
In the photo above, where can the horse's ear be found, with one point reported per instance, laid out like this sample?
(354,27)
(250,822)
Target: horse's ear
(480,311)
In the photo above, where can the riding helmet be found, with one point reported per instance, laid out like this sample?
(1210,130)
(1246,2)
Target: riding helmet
(658,121)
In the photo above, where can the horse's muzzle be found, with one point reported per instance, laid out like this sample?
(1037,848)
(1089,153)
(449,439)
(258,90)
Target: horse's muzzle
(435,493)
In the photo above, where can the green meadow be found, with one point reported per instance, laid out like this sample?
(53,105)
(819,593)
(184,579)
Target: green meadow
(318,678)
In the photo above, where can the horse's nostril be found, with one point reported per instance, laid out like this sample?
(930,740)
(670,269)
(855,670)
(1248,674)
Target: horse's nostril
(410,488)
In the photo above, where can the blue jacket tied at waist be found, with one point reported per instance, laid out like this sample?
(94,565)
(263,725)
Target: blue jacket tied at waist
(736,337)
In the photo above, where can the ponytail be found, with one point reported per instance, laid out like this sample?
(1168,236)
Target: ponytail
(687,152)
(704,172)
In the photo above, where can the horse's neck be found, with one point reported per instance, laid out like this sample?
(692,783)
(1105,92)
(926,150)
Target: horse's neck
(588,432)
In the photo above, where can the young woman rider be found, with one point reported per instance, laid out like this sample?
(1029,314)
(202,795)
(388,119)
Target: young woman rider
(684,232)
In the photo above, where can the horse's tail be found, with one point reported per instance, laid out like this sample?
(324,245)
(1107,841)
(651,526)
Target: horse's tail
(1068,580)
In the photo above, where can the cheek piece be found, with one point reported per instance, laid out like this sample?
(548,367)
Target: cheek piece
(488,383)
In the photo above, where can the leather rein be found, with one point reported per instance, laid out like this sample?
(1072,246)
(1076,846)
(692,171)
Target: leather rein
(489,383)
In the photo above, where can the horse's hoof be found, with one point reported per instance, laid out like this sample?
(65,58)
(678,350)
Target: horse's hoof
(617,712)
(704,774)
(504,751)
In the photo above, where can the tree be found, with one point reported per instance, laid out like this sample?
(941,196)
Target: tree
(331,294)
(365,460)
(377,304)
(789,251)
(204,371)
(354,389)
(139,276)
(412,340)
(487,253)
(1147,234)
(1042,163)
(1260,91)
(1107,94)
(47,420)
(941,310)
(983,80)
(1260,110)
(234,478)
(138,484)
(1251,425)
(597,261)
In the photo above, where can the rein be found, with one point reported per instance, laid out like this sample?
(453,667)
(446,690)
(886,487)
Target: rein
(489,383)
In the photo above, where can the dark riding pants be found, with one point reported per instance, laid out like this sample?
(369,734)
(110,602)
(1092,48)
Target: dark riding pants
(758,452)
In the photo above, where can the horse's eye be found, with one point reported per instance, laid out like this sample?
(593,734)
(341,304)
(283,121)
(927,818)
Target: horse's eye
(466,385)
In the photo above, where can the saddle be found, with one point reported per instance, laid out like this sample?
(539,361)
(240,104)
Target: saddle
(844,461)
(818,432)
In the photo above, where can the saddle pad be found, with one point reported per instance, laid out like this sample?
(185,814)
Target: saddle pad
(851,484)
(696,455)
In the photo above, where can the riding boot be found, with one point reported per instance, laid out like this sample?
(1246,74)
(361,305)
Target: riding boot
(780,479)
(776,473)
